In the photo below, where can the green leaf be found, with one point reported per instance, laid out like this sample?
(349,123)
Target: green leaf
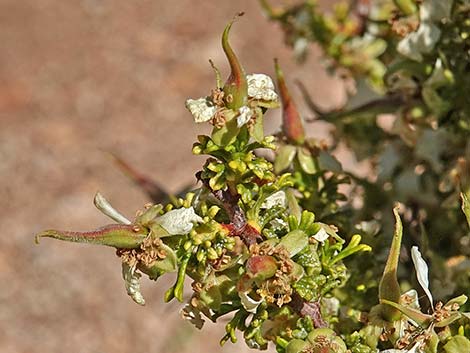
(294,241)
(421,319)
(326,161)
(454,316)
(292,203)
(158,268)
(306,161)
(460,300)
(285,156)
(179,286)
(457,344)
(257,130)
(226,134)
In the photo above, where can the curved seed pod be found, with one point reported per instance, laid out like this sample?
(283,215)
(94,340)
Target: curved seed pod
(389,288)
(292,125)
(236,87)
(120,236)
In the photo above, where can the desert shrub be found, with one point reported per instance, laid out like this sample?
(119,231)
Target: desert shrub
(273,244)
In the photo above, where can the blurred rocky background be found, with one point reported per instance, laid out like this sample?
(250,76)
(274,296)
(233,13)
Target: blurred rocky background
(78,80)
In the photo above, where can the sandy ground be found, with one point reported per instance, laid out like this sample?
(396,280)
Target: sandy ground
(82,78)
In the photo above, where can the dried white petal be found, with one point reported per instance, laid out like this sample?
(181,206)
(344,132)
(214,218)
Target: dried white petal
(278,223)
(421,272)
(435,10)
(179,221)
(415,349)
(410,299)
(249,303)
(276,199)
(245,116)
(201,109)
(131,282)
(438,77)
(193,315)
(104,206)
(321,235)
(415,44)
(330,306)
(260,86)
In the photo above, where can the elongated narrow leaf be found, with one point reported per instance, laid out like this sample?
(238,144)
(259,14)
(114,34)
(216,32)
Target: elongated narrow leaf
(417,316)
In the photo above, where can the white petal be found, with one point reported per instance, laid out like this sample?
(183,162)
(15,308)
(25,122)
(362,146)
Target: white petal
(179,221)
(245,116)
(260,86)
(435,10)
(330,305)
(420,42)
(321,235)
(276,199)
(414,349)
(104,206)
(410,299)
(421,272)
(278,223)
(249,303)
(201,109)
(131,282)
(193,315)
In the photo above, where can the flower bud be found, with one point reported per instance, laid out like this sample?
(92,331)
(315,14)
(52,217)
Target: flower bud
(292,125)
(236,87)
